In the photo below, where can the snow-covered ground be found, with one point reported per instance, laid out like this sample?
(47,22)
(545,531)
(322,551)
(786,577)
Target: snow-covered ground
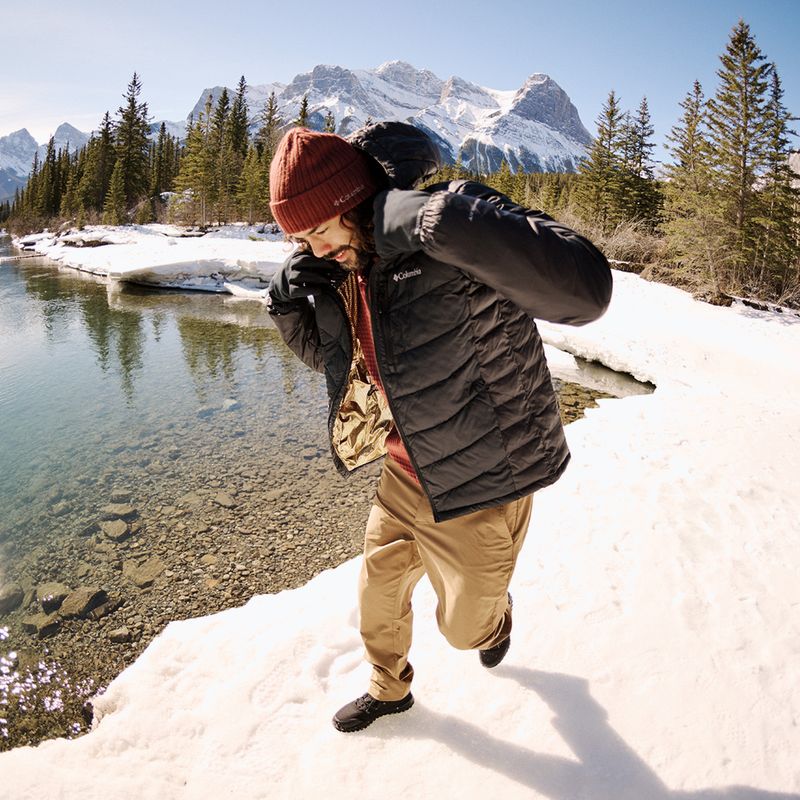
(656,647)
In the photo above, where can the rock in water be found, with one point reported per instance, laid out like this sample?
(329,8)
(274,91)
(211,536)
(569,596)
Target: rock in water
(11,595)
(51,596)
(224,499)
(82,601)
(118,511)
(116,529)
(143,575)
(190,499)
(43,625)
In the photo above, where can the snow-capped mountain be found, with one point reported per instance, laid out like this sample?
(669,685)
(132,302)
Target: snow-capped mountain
(535,128)
(66,136)
(18,148)
(17,151)
(16,155)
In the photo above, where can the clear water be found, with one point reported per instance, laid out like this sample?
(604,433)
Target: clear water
(91,373)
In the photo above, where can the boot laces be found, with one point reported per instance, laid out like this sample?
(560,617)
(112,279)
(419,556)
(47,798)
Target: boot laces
(366,702)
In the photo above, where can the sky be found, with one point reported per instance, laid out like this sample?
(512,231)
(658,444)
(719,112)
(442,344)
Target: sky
(72,61)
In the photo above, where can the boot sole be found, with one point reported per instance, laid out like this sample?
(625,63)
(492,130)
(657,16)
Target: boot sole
(360,726)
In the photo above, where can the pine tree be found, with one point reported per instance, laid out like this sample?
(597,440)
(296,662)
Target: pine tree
(330,122)
(29,194)
(158,165)
(738,128)
(100,158)
(165,162)
(778,246)
(131,138)
(145,212)
(223,154)
(115,204)
(503,180)
(46,202)
(239,121)
(548,191)
(70,203)
(195,180)
(600,188)
(254,187)
(269,130)
(266,141)
(691,210)
(302,114)
(640,198)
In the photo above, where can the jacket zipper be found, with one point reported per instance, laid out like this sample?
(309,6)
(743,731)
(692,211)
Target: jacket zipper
(381,347)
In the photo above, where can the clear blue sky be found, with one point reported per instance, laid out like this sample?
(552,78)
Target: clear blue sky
(71,61)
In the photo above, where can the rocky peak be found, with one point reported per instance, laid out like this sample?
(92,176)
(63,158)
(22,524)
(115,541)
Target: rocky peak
(456,88)
(324,81)
(420,81)
(19,140)
(69,135)
(543,100)
(200,105)
(16,155)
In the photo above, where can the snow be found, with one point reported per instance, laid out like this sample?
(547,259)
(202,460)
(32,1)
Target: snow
(656,644)
(234,259)
(503,97)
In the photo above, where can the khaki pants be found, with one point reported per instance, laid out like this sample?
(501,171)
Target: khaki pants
(469,561)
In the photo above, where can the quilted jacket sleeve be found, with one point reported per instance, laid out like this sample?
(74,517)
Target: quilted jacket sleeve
(295,320)
(545,268)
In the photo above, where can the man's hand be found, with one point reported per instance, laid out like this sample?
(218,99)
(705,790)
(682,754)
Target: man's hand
(307,275)
(301,276)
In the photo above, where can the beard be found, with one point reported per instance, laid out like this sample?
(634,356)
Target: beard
(356,259)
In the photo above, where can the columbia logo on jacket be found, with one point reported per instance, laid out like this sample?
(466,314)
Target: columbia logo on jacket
(410,273)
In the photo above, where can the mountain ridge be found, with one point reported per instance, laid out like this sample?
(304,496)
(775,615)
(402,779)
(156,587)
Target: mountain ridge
(535,128)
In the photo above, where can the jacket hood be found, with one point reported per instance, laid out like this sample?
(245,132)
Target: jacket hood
(405,154)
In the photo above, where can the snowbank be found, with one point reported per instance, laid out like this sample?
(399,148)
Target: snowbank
(235,259)
(655,651)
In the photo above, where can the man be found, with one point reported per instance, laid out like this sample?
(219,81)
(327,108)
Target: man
(422,321)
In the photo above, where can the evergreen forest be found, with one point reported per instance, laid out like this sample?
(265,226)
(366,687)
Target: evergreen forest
(721,218)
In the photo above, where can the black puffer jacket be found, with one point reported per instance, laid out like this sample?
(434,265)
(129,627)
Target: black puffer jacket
(461,274)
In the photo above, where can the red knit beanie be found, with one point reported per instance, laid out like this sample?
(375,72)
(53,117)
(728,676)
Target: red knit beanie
(315,177)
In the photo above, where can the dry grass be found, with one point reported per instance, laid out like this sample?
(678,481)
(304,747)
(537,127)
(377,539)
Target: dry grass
(630,244)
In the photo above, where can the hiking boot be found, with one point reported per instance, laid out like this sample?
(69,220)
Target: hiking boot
(366,709)
(492,656)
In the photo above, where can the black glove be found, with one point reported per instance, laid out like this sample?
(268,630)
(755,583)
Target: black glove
(301,276)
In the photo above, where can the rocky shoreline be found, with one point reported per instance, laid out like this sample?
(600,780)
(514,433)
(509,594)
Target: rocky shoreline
(224,525)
